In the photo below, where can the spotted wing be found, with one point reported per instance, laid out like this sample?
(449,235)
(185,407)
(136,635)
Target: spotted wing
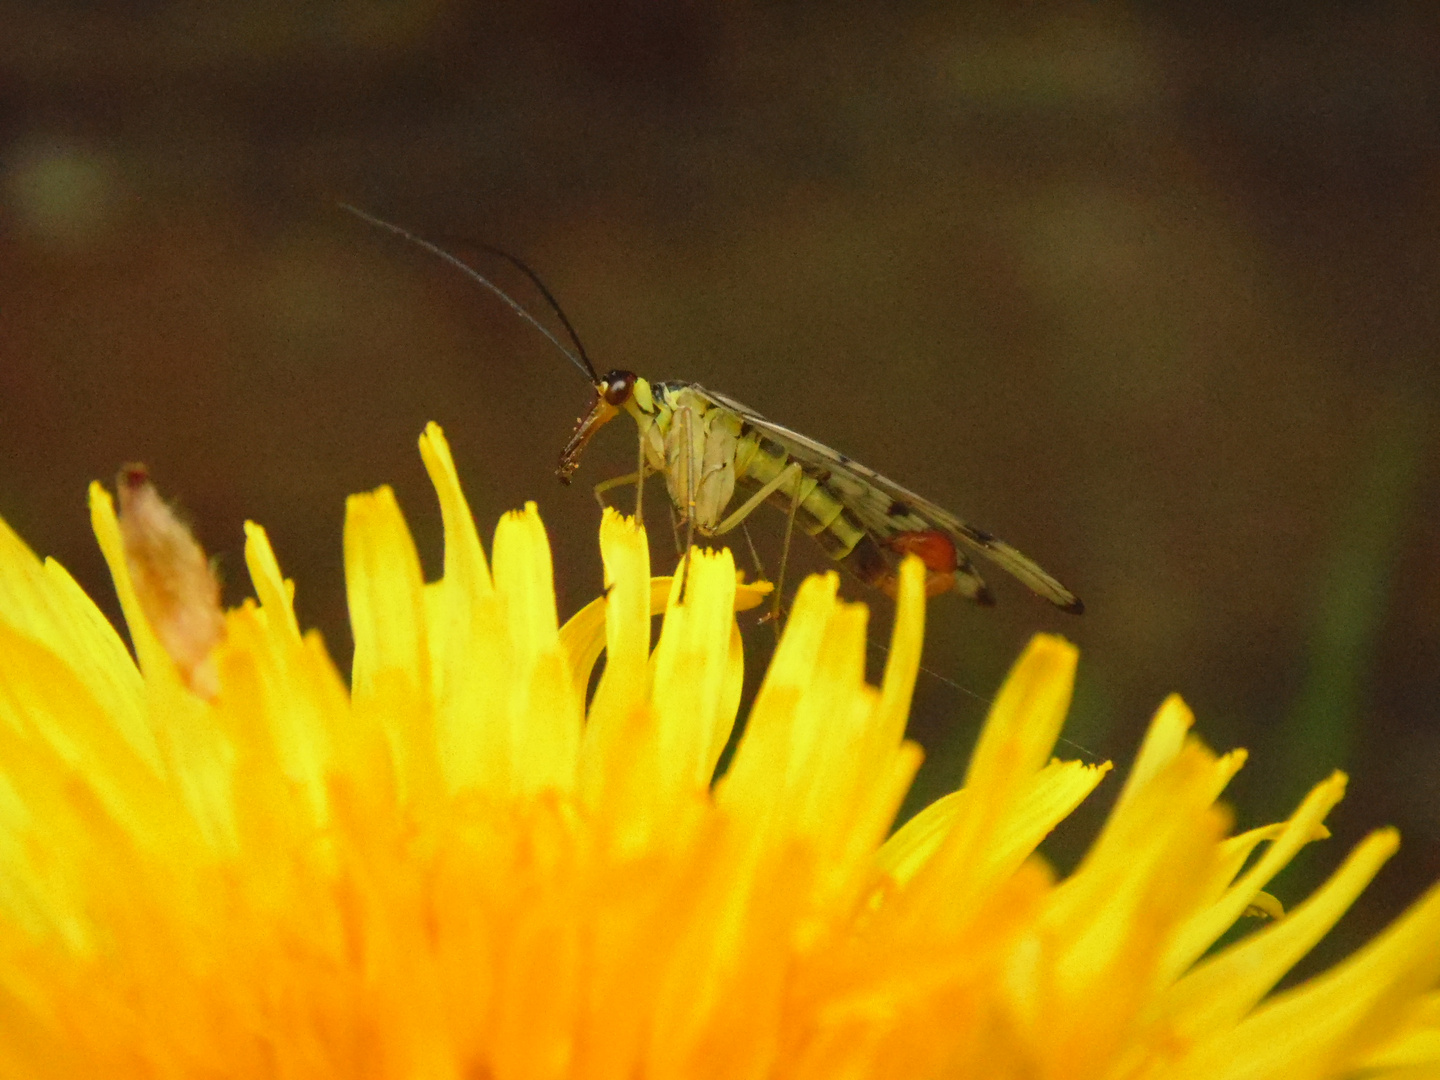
(885,509)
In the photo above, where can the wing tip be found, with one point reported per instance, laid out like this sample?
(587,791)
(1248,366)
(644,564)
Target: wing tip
(1073,606)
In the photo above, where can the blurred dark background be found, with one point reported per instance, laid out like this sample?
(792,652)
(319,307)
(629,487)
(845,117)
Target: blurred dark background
(1151,293)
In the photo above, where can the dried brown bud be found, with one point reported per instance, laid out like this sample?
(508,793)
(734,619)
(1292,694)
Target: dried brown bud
(173,580)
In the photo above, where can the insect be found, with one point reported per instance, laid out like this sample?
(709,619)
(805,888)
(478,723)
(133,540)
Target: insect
(713,451)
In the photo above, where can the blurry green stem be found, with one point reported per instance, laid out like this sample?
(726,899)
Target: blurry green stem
(1354,590)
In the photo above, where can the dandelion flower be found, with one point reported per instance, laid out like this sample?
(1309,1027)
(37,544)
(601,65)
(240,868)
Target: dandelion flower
(455,868)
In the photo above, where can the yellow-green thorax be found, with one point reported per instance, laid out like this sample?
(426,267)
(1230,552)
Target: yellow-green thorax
(707,449)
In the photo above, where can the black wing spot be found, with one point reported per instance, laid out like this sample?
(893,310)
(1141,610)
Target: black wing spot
(899,509)
(980,536)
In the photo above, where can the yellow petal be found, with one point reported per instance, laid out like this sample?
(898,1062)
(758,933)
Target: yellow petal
(543,719)
(1317,1028)
(1265,906)
(446,878)
(390,675)
(1095,961)
(196,756)
(298,705)
(1414,1046)
(467,647)
(1014,745)
(1052,794)
(1221,991)
(619,624)
(43,602)
(1206,926)
(902,664)
(767,758)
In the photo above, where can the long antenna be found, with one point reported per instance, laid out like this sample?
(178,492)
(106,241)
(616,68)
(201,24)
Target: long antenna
(549,298)
(581,361)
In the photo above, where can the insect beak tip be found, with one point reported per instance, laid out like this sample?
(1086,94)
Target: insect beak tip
(600,412)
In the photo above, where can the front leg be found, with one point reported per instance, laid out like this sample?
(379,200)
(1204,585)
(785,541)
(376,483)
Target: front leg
(636,478)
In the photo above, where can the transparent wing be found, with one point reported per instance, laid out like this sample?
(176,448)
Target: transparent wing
(886,509)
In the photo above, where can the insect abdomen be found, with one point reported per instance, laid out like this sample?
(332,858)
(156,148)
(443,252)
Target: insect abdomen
(823,515)
(819,513)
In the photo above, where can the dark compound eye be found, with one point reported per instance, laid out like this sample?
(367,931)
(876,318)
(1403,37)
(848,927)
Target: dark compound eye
(617,387)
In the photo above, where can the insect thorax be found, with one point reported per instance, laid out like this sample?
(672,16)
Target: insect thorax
(693,442)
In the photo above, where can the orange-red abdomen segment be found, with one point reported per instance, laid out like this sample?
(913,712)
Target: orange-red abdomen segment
(935,550)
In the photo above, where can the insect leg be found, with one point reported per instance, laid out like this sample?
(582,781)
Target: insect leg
(791,472)
(675,529)
(754,555)
(640,481)
(614,482)
(785,547)
(687,456)
(750,505)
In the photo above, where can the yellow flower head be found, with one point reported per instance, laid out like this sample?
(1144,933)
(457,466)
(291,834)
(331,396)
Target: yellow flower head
(456,870)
